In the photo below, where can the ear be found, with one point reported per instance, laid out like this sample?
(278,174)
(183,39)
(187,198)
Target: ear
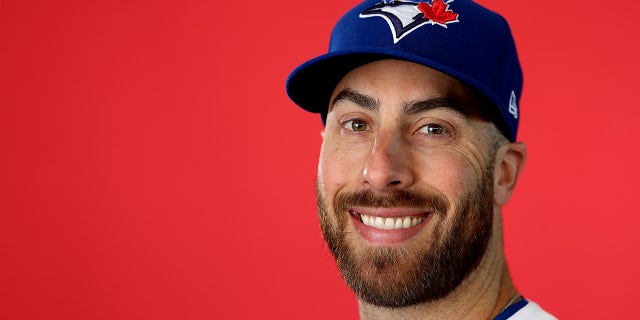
(510,160)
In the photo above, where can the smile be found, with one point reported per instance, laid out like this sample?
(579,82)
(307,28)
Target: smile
(388,226)
(390,223)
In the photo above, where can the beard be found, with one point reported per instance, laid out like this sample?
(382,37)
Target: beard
(414,272)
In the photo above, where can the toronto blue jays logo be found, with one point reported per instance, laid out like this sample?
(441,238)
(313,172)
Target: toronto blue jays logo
(406,16)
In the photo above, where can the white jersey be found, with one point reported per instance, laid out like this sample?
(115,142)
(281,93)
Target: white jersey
(525,310)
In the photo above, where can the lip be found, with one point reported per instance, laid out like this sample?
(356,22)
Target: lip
(380,237)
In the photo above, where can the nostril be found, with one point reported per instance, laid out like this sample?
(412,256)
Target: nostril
(387,167)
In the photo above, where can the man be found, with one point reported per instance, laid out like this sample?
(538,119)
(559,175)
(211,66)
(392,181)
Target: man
(419,154)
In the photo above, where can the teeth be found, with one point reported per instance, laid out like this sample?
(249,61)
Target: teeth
(390,223)
(406,222)
(378,223)
(398,224)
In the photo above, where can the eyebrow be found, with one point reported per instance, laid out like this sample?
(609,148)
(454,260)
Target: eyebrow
(360,99)
(431,104)
(410,108)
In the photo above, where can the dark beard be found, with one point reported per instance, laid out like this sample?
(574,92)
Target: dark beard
(398,277)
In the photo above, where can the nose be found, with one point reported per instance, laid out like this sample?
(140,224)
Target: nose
(388,166)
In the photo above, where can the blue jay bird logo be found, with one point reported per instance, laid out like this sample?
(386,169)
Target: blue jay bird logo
(404,17)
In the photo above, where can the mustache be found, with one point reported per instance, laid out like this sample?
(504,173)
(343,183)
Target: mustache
(394,199)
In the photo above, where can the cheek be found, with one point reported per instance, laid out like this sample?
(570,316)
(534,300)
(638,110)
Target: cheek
(461,169)
(339,166)
(449,175)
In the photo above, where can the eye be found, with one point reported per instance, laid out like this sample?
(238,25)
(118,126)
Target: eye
(357,125)
(433,129)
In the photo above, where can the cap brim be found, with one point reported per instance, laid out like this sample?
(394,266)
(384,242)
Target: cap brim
(310,85)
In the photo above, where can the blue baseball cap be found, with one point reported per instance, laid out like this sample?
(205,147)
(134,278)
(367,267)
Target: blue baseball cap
(457,37)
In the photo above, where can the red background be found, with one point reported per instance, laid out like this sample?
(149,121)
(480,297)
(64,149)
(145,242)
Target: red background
(152,167)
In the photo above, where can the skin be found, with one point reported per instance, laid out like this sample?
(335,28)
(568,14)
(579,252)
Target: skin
(379,145)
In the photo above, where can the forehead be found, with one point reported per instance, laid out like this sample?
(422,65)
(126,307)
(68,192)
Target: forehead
(397,82)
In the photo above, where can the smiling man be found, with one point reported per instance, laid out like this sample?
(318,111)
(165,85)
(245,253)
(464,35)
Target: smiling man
(420,104)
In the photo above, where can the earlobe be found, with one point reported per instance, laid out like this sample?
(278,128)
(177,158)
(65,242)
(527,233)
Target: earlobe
(510,160)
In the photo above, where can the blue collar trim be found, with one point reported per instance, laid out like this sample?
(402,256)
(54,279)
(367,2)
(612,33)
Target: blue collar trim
(511,310)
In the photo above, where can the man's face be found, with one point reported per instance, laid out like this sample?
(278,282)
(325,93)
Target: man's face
(405,183)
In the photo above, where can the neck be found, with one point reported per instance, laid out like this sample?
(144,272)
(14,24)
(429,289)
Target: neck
(483,295)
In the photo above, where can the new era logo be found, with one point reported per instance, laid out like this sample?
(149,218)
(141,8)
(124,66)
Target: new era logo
(513,105)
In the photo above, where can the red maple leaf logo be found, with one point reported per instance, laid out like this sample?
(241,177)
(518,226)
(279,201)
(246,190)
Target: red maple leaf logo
(437,12)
